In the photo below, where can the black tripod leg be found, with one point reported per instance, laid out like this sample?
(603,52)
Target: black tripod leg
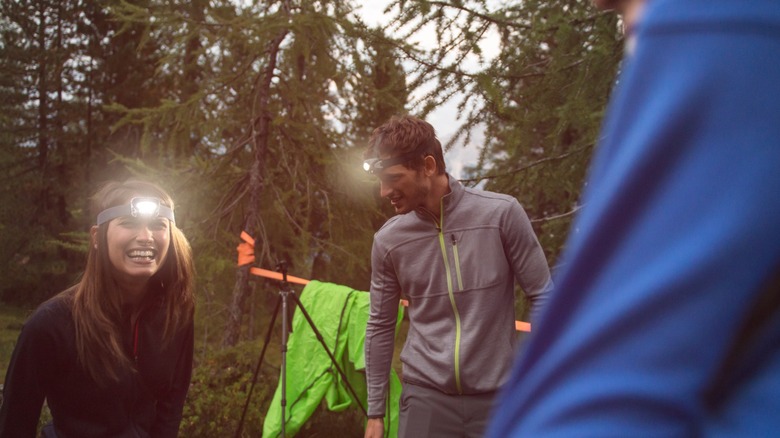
(257,368)
(327,350)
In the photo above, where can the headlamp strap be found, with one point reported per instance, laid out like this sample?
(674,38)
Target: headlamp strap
(144,207)
(374,165)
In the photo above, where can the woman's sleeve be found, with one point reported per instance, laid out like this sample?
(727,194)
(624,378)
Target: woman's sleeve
(27,379)
(171,405)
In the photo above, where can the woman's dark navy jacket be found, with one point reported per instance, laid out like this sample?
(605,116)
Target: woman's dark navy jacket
(44,365)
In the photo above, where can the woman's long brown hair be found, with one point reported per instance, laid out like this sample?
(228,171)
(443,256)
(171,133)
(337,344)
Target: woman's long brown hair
(97,302)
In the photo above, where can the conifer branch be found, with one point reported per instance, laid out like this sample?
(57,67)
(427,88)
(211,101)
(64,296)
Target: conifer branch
(527,166)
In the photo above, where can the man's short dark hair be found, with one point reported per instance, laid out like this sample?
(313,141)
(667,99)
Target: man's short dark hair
(405,134)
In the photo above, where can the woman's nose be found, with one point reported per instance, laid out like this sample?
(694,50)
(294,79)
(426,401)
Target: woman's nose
(145,234)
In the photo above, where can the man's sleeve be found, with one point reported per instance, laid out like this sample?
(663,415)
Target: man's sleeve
(380,330)
(527,257)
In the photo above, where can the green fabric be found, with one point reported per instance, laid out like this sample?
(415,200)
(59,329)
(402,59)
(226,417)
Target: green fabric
(340,315)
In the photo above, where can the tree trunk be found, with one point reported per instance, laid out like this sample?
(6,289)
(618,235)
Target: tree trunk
(261,131)
(43,115)
(236,310)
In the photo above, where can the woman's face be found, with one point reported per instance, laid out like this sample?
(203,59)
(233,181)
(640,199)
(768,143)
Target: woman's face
(137,248)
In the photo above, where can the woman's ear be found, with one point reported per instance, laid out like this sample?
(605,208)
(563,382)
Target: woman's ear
(93,236)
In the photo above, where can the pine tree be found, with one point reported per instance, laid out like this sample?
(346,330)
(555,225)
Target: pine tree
(538,100)
(280,100)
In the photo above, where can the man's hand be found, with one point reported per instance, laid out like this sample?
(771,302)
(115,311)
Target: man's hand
(375,428)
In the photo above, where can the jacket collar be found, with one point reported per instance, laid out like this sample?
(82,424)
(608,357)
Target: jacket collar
(449,201)
(452,198)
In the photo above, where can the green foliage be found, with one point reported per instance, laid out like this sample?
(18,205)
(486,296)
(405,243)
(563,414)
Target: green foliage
(537,99)
(11,320)
(63,61)
(219,389)
(553,77)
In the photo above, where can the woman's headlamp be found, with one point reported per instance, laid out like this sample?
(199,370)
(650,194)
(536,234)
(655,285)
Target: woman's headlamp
(139,207)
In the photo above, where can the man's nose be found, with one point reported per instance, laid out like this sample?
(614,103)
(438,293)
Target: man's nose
(384,190)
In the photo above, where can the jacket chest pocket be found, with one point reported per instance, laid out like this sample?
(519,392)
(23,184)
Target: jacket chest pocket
(469,260)
(479,255)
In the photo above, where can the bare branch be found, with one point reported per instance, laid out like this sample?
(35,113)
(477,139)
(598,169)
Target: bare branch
(528,166)
(557,216)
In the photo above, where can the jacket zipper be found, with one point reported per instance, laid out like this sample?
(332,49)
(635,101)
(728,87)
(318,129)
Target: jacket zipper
(133,382)
(135,339)
(451,293)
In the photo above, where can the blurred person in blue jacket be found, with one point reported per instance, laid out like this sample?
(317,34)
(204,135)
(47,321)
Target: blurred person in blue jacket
(665,320)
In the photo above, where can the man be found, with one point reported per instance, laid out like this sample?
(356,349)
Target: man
(454,253)
(665,320)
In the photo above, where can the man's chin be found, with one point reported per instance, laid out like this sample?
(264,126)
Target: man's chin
(401,209)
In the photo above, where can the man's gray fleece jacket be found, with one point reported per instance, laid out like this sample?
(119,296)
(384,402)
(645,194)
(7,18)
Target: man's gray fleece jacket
(458,272)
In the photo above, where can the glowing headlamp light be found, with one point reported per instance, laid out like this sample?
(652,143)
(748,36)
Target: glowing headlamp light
(139,207)
(375,165)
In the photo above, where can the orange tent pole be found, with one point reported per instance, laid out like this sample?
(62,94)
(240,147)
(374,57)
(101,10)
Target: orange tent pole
(277,276)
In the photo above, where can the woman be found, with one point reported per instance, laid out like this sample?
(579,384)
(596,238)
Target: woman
(112,355)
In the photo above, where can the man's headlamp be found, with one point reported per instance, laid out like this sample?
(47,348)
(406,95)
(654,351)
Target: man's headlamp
(375,165)
(139,207)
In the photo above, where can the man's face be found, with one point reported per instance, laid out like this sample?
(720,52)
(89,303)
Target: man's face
(406,188)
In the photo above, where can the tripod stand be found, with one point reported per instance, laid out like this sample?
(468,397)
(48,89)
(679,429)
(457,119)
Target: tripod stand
(285,293)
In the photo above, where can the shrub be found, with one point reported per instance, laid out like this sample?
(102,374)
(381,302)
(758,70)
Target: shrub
(218,392)
(220,384)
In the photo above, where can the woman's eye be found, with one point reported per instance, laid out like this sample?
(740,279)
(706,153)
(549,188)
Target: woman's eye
(159,225)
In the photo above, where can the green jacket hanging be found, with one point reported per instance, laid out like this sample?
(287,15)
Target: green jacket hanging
(340,315)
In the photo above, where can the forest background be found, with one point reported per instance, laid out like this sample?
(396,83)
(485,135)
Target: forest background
(254,115)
